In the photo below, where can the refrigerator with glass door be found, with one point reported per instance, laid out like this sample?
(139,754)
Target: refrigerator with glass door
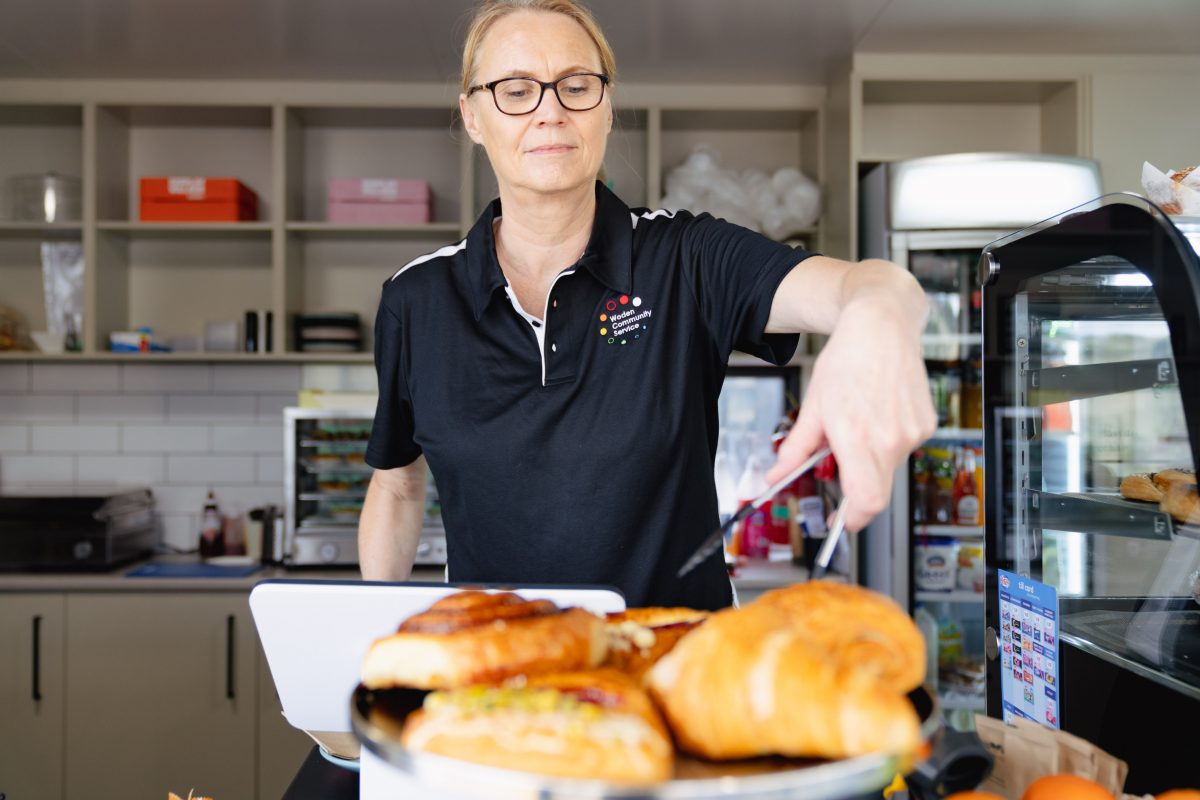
(934,216)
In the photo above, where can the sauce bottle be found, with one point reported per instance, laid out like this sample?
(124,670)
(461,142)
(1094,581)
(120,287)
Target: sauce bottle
(966,494)
(212,535)
(755,529)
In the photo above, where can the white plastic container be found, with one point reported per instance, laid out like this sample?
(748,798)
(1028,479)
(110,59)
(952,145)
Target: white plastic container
(935,562)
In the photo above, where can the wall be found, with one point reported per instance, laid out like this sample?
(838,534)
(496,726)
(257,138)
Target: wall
(1139,116)
(180,429)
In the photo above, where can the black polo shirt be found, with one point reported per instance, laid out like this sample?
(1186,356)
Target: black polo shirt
(590,459)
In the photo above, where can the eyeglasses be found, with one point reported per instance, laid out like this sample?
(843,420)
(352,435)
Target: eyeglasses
(582,91)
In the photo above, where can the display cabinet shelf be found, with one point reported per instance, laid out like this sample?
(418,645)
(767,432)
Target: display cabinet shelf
(1063,384)
(1106,514)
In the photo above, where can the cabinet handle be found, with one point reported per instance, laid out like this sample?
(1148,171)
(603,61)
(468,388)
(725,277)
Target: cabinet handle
(230,693)
(37,657)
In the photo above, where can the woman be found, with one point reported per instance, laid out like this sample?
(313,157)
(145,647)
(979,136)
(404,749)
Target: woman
(559,368)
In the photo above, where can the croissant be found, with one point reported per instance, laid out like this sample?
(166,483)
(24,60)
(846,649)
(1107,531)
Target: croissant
(750,682)
(597,725)
(859,629)
(478,637)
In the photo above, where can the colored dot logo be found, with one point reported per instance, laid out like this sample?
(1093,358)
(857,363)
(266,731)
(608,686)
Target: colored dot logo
(604,317)
(611,305)
(604,331)
(637,301)
(624,299)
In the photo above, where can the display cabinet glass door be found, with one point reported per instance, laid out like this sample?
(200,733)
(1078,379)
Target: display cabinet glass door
(1092,409)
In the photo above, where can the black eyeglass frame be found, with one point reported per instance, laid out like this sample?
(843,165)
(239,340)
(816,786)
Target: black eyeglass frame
(491,87)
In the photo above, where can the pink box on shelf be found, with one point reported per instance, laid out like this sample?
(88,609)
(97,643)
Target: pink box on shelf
(378,201)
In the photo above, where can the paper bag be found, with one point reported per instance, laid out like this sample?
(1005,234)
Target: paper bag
(1176,192)
(1025,751)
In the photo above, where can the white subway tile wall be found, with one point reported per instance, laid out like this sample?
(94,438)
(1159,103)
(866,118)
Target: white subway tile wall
(180,429)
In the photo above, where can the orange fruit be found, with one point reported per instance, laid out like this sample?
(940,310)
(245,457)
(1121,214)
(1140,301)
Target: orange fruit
(1180,794)
(973,795)
(1065,787)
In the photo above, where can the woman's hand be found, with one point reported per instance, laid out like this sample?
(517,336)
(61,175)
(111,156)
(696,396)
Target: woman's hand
(869,399)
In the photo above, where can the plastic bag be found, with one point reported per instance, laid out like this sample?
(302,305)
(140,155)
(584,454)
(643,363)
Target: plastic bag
(62,279)
(778,205)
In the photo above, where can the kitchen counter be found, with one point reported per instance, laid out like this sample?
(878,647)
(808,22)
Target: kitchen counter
(750,579)
(317,779)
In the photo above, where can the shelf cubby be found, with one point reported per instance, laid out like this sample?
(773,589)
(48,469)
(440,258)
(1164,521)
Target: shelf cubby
(911,118)
(137,141)
(323,143)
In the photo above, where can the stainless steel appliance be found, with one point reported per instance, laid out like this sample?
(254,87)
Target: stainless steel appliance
(325,480)
(1092,374)
(96,532)
(933,216)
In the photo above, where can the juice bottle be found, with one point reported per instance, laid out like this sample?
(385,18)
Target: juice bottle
(920,491)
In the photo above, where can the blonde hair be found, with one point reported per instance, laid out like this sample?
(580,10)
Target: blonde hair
(490,11)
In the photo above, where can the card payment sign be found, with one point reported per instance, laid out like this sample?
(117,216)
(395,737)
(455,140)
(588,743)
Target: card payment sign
(1029,649)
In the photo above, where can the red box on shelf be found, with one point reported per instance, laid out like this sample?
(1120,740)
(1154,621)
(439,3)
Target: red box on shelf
(193,199)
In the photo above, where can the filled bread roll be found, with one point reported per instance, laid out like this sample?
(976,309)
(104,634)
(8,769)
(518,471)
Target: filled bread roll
(1141,486)
(858,629)
(1167,478)
(597,725)
(479,637)
(1182,502)
(749,682)
(638,637)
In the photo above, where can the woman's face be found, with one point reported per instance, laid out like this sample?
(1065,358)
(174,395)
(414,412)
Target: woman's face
(550,149)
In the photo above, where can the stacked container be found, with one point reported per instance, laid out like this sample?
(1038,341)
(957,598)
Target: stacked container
(378,201)
(192,199)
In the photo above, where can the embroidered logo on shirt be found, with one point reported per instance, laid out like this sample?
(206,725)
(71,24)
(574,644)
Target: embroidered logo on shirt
(624,320)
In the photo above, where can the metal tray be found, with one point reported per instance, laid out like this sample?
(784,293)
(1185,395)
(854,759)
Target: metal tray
(377,717)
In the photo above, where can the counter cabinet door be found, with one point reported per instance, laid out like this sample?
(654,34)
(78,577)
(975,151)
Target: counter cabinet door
(161,694)
(31,696)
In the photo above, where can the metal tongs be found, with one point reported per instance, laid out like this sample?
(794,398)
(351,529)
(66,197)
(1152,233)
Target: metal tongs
(824,555)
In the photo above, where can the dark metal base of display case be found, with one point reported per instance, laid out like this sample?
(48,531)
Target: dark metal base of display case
(1150,727)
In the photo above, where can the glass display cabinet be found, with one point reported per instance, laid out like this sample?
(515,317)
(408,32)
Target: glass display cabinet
(1092,425)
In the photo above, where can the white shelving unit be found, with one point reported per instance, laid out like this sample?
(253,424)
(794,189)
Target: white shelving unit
(285,141)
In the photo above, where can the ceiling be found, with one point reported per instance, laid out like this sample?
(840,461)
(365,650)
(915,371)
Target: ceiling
(656,41)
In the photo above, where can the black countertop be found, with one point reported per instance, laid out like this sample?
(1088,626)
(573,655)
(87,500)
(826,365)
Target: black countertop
(317,779)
